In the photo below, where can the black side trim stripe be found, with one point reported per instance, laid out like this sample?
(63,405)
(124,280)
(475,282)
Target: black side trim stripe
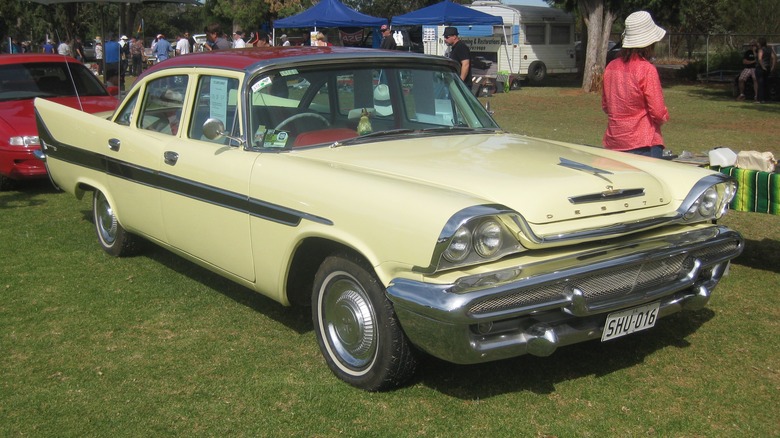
(174,184)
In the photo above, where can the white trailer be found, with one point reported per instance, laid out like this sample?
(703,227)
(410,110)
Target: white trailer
(534,41)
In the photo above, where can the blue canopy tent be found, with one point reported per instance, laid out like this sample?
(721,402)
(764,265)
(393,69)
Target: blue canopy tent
(328,13)
(447,13)
(470,23)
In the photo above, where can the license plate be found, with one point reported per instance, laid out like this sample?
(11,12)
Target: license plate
(629,321)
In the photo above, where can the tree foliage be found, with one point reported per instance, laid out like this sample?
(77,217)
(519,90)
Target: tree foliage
(683,20)
(602,19)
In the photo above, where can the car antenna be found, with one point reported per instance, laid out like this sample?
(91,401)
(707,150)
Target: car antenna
(73,82)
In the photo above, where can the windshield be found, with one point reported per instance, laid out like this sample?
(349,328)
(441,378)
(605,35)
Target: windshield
(311,106)
(47,79)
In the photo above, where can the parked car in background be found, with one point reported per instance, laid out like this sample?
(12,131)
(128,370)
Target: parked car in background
(25,77)
(200,41)
(149,58)
(384,196)
(613,49)
(89,51)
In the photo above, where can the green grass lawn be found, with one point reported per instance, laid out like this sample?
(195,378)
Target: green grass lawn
(152,345)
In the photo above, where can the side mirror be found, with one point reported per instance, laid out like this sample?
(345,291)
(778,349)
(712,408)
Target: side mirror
(213,129)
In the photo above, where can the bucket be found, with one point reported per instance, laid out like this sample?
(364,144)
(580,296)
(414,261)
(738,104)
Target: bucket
(722,157)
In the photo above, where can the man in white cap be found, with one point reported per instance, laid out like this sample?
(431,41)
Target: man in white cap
(162,48)
(238,39)
(632,97)
(284,40)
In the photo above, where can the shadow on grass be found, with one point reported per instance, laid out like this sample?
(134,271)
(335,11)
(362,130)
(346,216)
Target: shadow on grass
(726,94)
(22,193)
(760,254)
(540,375)
(295,318)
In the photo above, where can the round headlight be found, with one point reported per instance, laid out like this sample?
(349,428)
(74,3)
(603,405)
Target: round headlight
(459,246)
(709,202)
(487,238)
(691,213)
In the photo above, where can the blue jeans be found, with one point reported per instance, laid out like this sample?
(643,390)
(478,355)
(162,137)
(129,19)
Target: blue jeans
(656,151)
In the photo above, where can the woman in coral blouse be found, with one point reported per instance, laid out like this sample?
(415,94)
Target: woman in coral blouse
(632,95)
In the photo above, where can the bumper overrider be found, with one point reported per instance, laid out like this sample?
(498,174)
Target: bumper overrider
(534,309)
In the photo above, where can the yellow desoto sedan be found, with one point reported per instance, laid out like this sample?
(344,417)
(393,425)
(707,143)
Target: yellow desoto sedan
(374,187)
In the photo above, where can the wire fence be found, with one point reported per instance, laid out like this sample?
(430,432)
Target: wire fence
(714,50)
(699,46)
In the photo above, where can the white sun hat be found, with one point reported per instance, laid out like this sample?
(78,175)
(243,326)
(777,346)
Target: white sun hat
(172,98)
(382,104)
(641,31)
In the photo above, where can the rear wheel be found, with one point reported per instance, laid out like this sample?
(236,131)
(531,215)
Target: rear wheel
(114,239)
(537,72)
(356,327)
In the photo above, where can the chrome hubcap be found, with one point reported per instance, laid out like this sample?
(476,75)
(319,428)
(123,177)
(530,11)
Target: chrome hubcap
(349,322)
(106,221)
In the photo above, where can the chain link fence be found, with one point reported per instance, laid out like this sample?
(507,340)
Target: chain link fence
(717,56)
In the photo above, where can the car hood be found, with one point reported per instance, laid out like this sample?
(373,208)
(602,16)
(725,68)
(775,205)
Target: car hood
(18,116)
(544,181)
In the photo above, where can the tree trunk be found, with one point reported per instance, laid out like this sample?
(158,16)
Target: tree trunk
(598,20)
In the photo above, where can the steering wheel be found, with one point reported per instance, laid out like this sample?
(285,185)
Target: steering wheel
(300,116)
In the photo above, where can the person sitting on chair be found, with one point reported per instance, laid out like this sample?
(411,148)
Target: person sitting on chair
(171,101)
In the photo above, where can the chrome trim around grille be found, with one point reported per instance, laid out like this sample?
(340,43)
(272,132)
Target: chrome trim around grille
(569,291)
(643,271)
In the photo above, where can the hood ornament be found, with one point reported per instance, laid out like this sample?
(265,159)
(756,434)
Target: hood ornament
(610,194)
(595,171)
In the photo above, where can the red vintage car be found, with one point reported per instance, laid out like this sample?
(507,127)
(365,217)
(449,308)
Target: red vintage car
(25,77)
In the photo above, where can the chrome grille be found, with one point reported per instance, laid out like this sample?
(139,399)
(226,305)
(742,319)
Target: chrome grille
(528,297)
(598,286)
(620,282)
(712,253)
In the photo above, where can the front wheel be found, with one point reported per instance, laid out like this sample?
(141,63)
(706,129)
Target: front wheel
(112,237)
(356,327)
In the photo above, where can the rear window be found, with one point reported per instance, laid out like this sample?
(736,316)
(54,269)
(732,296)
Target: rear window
(47,79)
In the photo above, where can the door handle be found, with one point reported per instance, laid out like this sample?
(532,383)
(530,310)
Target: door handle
(114,144)
(171,157)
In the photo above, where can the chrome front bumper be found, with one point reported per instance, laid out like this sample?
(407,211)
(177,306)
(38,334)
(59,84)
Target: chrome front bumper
(536,308)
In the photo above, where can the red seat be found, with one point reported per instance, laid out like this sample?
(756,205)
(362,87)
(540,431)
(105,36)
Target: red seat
(323,136)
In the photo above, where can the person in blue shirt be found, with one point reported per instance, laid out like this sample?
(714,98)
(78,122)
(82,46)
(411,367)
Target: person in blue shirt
(111,56)
(162,48)
(48,47)
(15,47)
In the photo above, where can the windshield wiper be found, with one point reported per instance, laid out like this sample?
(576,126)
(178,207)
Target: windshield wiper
(387,133)
(457,128)
(405,131)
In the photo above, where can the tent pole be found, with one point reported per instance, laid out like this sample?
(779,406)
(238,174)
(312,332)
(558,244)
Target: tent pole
(506,49)
(103,41)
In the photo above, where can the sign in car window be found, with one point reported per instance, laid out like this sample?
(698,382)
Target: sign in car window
(219,99)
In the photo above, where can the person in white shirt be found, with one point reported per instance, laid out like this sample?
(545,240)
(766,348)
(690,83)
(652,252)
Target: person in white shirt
(285,41)
(64,49)
(238,39)
(182,46)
